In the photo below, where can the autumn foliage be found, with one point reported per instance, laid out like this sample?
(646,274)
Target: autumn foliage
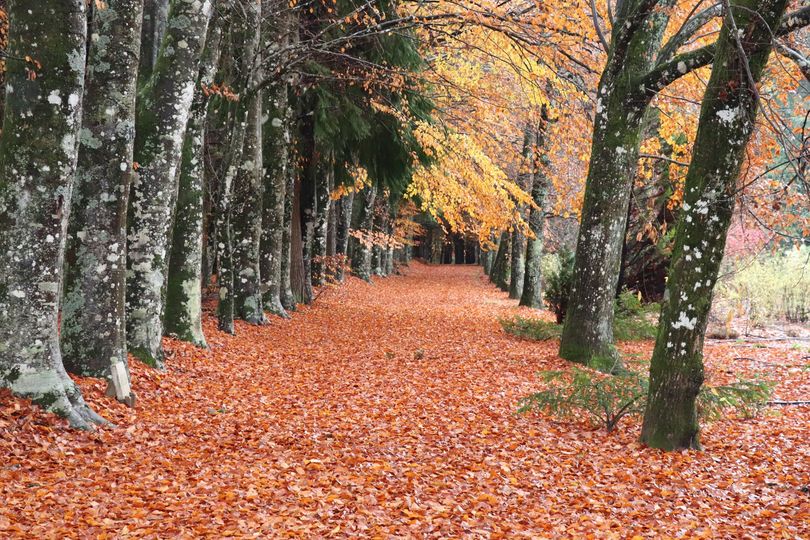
(393,414)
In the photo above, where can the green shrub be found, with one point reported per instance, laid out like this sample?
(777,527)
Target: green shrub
(633,328)
(628,304)
(624,329)
(558,284)
(606,399)
(747,397)
(531,328)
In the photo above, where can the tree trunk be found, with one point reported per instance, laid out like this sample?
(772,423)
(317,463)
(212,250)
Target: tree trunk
(378,227)
(331,232)
(93,331)
(155,14)
(344,225)
(287,297)
(727,118)
(436,245)
(500,268)
(163,109)
(518,259)
(246,222)
(324,182)
(361,256)
(183,317)
(297,268)
(532,295)
(587,335)
(38,151)
(276,156)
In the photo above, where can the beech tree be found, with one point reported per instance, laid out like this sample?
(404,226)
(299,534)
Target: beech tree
(727,121)
(638,66)
(93,331)
(164,104)
(183,314)
(38,153)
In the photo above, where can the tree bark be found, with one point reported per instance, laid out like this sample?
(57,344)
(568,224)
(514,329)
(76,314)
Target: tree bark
(587,335)
(155,14)
(246,222)
(324,182)
(276,155)
(163,109)
(344,225)
(532,295)
(93,331)
(727,117)
(183,317)
(361,256)
(518,259)
(38,151)
(288,300)
(501,267)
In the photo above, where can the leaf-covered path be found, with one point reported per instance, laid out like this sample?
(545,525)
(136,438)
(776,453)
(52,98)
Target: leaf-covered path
(387,411)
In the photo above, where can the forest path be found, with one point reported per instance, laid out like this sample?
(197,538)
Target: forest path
(386,410)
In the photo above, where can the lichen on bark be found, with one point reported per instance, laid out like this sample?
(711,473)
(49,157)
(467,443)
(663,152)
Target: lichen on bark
(163,109)
(38,153)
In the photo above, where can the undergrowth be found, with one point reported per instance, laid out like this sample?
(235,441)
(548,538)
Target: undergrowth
(605,399)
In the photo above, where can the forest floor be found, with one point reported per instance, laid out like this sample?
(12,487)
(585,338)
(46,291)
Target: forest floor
(388,411)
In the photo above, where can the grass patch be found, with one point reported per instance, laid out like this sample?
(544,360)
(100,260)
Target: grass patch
(625,328)
(533,329)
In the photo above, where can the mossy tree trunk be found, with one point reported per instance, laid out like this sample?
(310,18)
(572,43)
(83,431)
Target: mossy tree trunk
(93,332)
(532,295)
(727,118)
(344,209)
(183,316)
(38,151)
(587,335)
(246,222)
(288,300)
(276,143)
(246,214)
(324,183)
(361,254)
(155,15)
(164,104)
(518,259)
(500,267)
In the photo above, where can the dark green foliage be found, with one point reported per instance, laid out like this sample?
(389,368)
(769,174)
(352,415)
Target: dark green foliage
(531,328)
(628,304)
(627,328)
(558,285)
(606,399)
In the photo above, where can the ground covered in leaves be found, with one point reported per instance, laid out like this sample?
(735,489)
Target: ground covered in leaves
(388,411)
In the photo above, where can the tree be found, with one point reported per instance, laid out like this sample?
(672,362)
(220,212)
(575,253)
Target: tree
(727,121)
(361,259)
(532,294)
(93,331)
(183,316)
(38,153)
(164,104)
(638,67)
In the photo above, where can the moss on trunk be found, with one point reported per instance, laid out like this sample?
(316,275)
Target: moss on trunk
(727,118)
(38,152)
(163,109)
(93,332)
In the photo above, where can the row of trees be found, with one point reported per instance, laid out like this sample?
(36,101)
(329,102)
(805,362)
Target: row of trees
(150,145)
(152,149)
(639,66)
